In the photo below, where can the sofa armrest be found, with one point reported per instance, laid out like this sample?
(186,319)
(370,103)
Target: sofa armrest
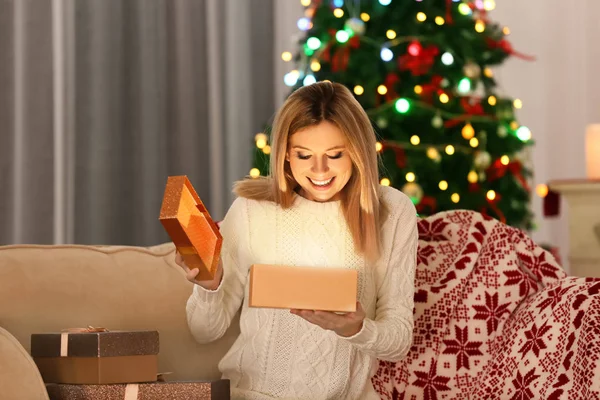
(18,373)
(550,346)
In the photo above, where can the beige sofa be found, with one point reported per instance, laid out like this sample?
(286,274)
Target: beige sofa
(50,288)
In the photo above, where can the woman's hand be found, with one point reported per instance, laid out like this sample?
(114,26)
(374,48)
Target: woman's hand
(342,324)
(192,273)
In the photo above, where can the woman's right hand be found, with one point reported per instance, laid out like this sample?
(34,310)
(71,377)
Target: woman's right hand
(192,273)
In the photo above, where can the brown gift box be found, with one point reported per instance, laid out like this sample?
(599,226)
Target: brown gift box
(308,288)
(95,356)
(191,227)
(193,390)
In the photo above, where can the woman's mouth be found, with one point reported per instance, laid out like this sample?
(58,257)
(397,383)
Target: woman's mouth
(322,185)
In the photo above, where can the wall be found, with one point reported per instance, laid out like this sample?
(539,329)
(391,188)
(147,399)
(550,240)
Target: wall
(560,90)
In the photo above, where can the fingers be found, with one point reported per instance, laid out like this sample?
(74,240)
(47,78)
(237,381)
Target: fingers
(191,274)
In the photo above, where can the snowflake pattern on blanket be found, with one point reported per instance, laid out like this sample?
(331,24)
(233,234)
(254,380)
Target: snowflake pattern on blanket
(496,317)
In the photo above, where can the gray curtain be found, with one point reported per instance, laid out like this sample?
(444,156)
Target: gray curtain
(101,100)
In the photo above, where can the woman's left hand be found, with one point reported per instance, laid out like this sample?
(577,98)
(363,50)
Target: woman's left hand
(342,324)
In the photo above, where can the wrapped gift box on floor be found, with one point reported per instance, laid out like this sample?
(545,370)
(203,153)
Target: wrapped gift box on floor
(96,356)
(194,390)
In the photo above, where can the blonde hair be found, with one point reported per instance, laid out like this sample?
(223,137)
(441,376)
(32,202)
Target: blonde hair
(309,106)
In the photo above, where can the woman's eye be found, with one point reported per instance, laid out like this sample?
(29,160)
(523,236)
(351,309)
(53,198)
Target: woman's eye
(336,156)
(302,156)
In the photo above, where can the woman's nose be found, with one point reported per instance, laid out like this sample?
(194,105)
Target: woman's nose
(320,165)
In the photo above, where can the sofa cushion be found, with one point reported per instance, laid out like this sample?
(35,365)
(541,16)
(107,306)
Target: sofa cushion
(50,288)
(19,376)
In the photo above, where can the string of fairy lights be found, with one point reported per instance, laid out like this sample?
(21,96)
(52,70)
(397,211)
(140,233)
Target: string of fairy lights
(310,62)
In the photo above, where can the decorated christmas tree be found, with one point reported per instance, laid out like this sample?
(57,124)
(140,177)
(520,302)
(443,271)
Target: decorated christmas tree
(422,70)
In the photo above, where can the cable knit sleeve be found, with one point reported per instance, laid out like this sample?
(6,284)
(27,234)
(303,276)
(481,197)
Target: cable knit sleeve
(209,313)
(389,336)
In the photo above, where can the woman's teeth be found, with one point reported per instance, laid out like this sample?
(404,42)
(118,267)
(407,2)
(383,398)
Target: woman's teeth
(321,183)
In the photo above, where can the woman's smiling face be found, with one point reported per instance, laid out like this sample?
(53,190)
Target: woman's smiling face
(319,161)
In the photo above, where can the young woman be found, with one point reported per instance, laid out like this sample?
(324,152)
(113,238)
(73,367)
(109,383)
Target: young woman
(322,205)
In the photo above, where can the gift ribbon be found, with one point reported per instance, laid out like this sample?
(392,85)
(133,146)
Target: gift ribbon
(449,11)
(131,391)
(505,46)
(498,170)
(64,337)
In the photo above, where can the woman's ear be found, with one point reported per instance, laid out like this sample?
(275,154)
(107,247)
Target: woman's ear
(287,156)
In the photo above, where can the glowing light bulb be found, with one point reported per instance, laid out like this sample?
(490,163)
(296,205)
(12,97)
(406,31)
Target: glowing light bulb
(464,86)
(491,195)
(385,2)
(421,17)
(338,3)
(524,134)
(267,149)
(492,100)
(480,26)
(506,30)
(365,17)
(390,34)
(514,125)
(415,140)
(313,43)
(315,66)
(473,177)
(449,149)
(489,5)
(309,80)
(342,36)
(286,56)
(381,89)
(415,48)
(468,131)
(455,197)
(474,142)
(304,24)
(505,160)
(464,9)
(305,3)
(443,185)
(386,54)
(260,136)
(440,20)
(542,190)
(254,173)
(358,90)
(447,58)
(385,182)
(487,71)
(261,143)
(518,104)
(291,78)
(418,89)
(338,12)
(444,98)
(410,177)
(378,147)
(433,153)
(402,106)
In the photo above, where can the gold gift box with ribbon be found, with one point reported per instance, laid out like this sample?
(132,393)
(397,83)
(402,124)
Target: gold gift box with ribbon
(96,356)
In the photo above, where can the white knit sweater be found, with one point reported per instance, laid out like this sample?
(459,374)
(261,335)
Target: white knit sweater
(280,355)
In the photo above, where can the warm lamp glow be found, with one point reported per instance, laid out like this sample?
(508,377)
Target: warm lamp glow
(592,151)
(542,190)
